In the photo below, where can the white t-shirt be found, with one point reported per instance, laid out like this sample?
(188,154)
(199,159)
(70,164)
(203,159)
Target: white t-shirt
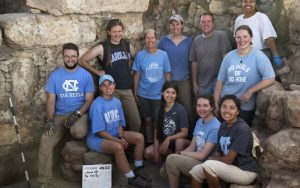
(261,27)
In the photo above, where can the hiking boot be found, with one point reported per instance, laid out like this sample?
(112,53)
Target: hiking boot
(137,181)
(139,171)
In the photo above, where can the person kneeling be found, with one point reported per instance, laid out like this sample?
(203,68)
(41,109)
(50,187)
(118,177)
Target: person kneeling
(106,133)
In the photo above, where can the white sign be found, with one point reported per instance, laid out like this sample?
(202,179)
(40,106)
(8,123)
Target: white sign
(96,176)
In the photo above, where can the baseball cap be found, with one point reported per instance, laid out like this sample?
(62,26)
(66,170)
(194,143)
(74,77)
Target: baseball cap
(106,77)
(176,17)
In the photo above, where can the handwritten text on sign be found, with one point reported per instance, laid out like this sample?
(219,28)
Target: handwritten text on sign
(96,176)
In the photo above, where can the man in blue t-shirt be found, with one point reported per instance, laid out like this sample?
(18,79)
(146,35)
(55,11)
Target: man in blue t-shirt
(70,92)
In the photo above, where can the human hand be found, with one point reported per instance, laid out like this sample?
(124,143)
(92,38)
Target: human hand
(72,119)
(124,142)
(49,128)
(163,148)
(246,96)
(278,61)
(195,90)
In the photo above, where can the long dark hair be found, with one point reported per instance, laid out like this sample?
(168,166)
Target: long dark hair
(110,25)
(161,113)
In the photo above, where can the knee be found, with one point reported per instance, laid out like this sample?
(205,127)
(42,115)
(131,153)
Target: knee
(118,149)
(171,164)
(179,145)
(148,154)
(78,133)
(140,138)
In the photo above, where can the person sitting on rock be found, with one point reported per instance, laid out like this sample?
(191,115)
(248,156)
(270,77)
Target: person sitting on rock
(106,134)
(70,92)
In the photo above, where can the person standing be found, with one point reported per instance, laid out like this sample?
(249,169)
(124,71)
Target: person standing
(115,54)
(70,92)
(151,69)
(264,34)
(206,54)
(106,134)
(243,73)
(177,47)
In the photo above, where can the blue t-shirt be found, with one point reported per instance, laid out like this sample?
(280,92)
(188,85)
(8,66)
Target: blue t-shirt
(238,74)
(70,88)
(106,115)
(152,68)
(178,56)
(238,137)
(206,132)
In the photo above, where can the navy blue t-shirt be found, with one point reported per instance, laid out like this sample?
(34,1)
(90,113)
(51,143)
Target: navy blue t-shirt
(238,138)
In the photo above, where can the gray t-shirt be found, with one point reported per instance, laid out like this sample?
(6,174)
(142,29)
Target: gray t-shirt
(208,53)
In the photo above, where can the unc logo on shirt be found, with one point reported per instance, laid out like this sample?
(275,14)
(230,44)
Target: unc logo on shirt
(200,142)
(154,72)
(111,116)
(169,126)
(70,85)
(224,143)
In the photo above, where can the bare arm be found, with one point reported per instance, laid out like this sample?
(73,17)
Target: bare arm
(228,159)
(259,86)
(89,97)
(195,77)
(88,56)
(168,76)
(217,93)
(192,146)
(106,135)
(163,148)
(136,79)
(51,99)
(272,44)
(200,156)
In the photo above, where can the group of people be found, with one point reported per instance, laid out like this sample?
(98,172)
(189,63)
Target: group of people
(154,88)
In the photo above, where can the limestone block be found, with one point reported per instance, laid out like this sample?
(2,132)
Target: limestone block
(40,30)
(263,97)
(292,109)
(68,172)
(275,116)
(218,7)
(0,37)
(232,9)
(285,146)
(8,134)
(74,150)
(93,157)
(294,87)
(91,6)
(284,179)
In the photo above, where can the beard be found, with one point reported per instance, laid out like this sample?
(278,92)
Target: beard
(70,67)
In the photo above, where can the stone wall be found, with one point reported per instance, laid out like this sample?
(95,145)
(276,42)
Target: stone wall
(33,31)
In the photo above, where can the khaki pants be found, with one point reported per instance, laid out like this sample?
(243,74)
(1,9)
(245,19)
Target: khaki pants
(228,173)
(78,130)
(176,164)
(130,109)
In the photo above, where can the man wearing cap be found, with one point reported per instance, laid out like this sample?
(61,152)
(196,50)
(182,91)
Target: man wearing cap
(177,47)
(206,54)
(70,92)
(106,134)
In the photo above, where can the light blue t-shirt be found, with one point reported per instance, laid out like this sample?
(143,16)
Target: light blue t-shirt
(206,132)
(178,56)
(152,68)
(238,74)
(105,115)
(70,88)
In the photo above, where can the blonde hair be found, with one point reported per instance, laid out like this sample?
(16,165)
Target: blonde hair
(150,31)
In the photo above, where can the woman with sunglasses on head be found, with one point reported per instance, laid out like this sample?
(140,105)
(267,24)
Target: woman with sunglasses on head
(233,161)
(115,53)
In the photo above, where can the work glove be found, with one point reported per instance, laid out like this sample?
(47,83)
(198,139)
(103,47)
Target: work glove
(49,128)
(72,119)
(278,61)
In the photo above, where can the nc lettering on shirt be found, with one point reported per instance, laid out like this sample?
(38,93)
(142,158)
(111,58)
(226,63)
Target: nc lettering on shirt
(200,142)
(224,143)
(236,73)
(119,56)
(154,72)
(111,116)
(70,87)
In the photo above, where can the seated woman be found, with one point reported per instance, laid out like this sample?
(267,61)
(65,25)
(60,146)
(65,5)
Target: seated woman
(172,126)
(233,161)
(106,133)
(202,145)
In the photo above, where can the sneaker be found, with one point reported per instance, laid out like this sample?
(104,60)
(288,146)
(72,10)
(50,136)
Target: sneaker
(284,70)
(137,181)
(163,171)
(139,171)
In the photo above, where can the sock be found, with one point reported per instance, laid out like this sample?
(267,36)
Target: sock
(138,163)
(129,174)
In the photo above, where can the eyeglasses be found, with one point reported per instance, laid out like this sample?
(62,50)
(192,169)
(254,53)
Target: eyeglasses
(73,57)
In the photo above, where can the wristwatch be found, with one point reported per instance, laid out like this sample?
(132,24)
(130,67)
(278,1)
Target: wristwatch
(77,113)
